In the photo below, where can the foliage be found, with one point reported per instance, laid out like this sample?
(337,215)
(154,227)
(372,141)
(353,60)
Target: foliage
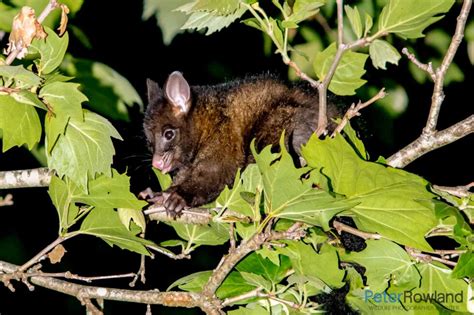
(41,107)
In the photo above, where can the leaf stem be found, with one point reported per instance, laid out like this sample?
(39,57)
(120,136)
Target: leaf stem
(40,256)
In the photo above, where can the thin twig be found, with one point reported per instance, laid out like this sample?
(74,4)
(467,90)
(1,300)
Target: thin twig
(169,253)
(427,258)
(6,201)
(425,67)
(341,227)
(241,297)
(140,273)
(42,254)
(69,275)
(458,191)
(90,307)
(355,110)
(438,95)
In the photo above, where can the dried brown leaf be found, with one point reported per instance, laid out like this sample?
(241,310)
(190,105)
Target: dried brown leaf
(25,28)
(64,19)
(56,254)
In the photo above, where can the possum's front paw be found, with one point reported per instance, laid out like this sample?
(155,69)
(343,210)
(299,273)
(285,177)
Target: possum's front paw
(174,204)
(171,201)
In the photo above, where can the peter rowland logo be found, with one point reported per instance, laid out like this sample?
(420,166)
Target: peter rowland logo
(409,300)
(411,297)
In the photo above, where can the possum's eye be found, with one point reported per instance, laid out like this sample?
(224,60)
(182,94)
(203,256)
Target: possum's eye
(169,134)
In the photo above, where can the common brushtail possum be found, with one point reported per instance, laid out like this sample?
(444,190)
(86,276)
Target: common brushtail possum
(202,134)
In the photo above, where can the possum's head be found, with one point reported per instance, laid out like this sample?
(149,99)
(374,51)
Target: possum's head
(166,123)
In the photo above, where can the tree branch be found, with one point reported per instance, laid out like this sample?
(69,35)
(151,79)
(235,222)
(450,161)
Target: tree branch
(341,227)
(428,142)
(171,299)
(427,258)
(37,177)
(355,110)
(430,139)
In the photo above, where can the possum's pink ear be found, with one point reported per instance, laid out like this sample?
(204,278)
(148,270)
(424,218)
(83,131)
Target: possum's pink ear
(178,92)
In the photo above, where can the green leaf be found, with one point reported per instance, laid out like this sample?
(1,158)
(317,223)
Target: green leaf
(436,284)
(105,224)
(51,50)
(387,197)
(23,78)
(368,24)
(385,263)
(221,7)
(6,17)
(256,264)
(26,97)
(303,9)
(168,18)
(109,93)
(127,215)
(64,99)
(256,280)
(61,193)
(233,285)
(212,234)
(382,52)
(211,21)
(354,18)
(288,196)
(302,55)
(322,266)
(84,150)
(250,309)
(354,140)
(439,40)
(464,266)
(104,192)
(408,18)
(110,192)
(19,122)
(349,71)
(165,180)
(232,198)
(277,34)
(451,219)
(193,282)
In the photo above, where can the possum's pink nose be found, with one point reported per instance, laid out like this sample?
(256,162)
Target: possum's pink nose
(161,163)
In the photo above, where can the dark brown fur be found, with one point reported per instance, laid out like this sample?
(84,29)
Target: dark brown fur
(212,139)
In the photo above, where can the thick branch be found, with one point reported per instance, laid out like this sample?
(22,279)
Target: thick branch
(189,216)
(37,177)
(172,299)
(428,142)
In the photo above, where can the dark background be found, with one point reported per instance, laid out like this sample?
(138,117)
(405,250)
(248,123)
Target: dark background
(134,48)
